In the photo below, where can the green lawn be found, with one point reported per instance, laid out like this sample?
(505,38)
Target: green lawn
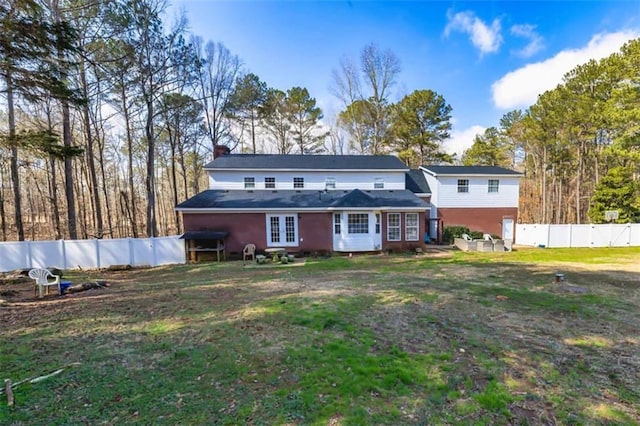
(443,338)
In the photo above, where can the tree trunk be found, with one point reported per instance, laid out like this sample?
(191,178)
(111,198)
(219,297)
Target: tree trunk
(15,178)
(152,228)
(68,173)
(93,178)
(53,196)
(127,123)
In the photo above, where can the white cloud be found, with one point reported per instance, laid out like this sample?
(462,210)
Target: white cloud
(520,88)
(484,37)
(462,139)
(535,40)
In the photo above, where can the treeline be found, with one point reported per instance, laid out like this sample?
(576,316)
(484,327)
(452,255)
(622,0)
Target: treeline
(111,115)
(579,145)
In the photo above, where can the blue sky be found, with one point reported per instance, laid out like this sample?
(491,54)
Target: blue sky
(485,58)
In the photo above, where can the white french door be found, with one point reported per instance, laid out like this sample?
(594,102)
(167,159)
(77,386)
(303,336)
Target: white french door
(282,230)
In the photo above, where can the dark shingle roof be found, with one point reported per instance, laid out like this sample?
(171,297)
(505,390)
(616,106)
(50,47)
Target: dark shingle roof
(268,200)
(306,162)
(470,170)
(415,182)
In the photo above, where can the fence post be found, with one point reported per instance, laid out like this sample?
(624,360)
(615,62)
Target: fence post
(610,234)
(548,236)
(29,255)
(570,233)
(97,243)
(132,257)
(63,249)
(154,255)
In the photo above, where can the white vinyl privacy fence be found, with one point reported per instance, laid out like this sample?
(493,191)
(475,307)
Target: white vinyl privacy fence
(607,235)
(74,254)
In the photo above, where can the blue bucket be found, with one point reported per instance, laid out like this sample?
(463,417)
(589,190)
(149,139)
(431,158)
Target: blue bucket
(64,285)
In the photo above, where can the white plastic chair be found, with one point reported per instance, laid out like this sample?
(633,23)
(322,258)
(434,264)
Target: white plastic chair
(249,251)
(42,280)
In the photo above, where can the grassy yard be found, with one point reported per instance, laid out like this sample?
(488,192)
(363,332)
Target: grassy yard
(444,338)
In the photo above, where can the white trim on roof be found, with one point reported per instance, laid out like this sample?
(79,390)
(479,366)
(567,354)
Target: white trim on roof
(300,210)
(308,169)
(512,174)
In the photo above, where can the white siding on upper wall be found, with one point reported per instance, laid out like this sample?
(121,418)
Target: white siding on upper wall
(478,195)
(434,186)
(312,180)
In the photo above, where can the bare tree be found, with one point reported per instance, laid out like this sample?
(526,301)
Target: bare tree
(364,92)
(217,73)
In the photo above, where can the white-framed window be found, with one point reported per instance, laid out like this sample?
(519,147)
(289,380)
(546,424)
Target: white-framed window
(358,223)
(411,227)
(249,182)
(282,230)
(377,223)
(330,183)
(393,226)
(378,183)
(270,182)
(494,185)
(298,182)
(463,185)
(337,225)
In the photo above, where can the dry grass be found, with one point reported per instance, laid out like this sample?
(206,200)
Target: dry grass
(445,338)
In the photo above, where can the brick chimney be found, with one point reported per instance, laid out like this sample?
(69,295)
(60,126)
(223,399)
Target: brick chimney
(220,150)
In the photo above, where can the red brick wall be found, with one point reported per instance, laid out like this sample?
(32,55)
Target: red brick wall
(487,220)
(403,245)
(314,229)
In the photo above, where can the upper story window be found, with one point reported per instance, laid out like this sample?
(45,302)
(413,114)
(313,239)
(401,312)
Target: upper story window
(463,185)
(270,182)
(378,183)
(298,182)
(494,185)
(330,183)
(249,182)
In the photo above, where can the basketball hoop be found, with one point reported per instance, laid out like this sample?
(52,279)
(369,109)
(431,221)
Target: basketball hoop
(611,215)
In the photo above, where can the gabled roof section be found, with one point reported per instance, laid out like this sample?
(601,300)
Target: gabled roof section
(306,162)
(301,200)
(470,171)
(355,198)
(415,182)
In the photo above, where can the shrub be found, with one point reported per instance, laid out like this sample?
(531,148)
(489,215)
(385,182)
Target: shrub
(451,232)
(456,231)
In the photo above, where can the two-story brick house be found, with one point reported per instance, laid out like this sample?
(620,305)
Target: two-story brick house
(309,203)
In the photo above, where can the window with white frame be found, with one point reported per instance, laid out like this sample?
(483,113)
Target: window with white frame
(282,230)
(270,182)
(377,223)
(411,227)
(249,182)
(358,223)
(393,226)
(330,183)
(494,185)
(378,183)
(463,185)
(298,182)
(337,225)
